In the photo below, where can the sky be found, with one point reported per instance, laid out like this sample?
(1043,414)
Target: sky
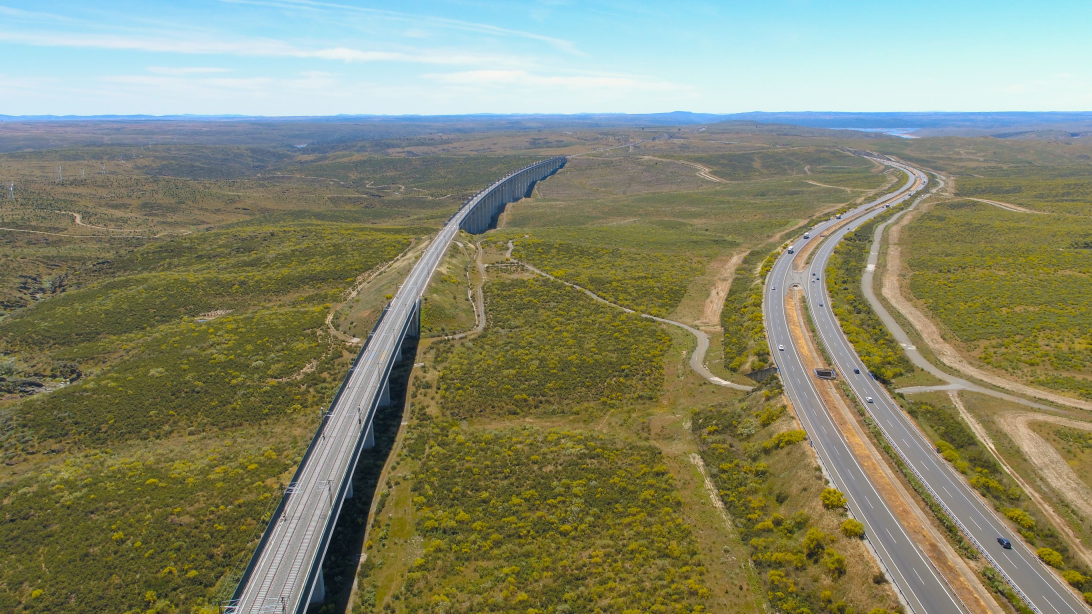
(319,57)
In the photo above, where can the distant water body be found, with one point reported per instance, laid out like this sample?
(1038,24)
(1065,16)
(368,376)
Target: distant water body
(905,133)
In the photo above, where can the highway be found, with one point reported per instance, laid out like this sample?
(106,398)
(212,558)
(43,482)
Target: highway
(286,567)
(975,516)
(1037,585)
(921,586)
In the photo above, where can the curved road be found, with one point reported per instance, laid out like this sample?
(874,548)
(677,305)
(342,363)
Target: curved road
(921,586)
(1043,591)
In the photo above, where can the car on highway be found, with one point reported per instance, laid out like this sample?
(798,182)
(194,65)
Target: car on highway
(1006,544)
(869,399)
(781,348)
(857,371)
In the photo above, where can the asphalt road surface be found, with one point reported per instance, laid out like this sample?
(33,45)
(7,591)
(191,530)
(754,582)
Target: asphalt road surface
(922,587)
(1038,585)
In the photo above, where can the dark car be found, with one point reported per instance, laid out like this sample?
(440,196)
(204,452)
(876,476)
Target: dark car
(1006,544)
(857,371)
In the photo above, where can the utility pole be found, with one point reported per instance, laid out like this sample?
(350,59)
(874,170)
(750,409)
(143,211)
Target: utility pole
(60,174)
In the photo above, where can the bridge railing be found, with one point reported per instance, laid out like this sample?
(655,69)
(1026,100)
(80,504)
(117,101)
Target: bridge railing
(271,524)
(346,480)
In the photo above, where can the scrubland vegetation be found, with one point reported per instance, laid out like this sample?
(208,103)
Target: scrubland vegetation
(1013,288)
(644,268)
(745,345)
(185,373)
(163,366)
(549,348)
(805,549)
(873,342)
(1065,189)
(535,520)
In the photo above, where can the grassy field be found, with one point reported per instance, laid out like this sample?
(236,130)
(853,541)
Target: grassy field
(166,352)
(806,551)
(645,268)
(550,349)
(1011,288)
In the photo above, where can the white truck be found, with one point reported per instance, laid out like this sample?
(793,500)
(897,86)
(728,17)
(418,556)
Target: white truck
(790,249)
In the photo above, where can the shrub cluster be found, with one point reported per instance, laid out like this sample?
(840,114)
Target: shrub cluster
(549,347)
(535,521)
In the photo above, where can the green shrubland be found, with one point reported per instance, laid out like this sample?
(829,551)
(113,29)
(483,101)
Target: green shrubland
(745,345)
(534,520)
(101,530)
(644,268)
(792,529)
(550,348)
(873,342)
(1059,188)
(1011,287)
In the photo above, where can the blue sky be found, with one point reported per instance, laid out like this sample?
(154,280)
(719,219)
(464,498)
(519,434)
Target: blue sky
(318,57)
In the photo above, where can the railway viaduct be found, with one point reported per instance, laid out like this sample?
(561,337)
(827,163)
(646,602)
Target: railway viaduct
(284,574)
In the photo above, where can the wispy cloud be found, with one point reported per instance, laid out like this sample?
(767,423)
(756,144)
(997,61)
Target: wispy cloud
(186,70)
(486,78)
(258,47)
(416,21)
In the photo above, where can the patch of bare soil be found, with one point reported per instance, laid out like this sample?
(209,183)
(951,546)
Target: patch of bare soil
(957,574)
(714,305)
(1043,456)
(1046,459)
(704,172)
(930,333)
(1009,206)
(825,185)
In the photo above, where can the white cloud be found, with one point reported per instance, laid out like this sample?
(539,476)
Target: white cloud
(186,70)
(259,47)
(416,20)
(486,78)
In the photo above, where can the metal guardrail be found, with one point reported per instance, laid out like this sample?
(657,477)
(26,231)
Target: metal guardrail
(906,461)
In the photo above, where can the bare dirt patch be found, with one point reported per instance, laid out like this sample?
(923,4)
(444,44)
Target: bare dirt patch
(1041,454)
(1009,206)
(714,305)
(1054,469)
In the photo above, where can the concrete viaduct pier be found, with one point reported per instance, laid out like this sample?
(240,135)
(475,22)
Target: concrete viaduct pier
(285,572)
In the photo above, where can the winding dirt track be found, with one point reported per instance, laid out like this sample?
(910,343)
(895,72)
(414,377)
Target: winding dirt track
(714,305)
(704,172)
(1008,206)
(697,359)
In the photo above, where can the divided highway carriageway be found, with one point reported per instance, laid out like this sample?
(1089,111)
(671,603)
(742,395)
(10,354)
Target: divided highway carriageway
(285,572)
(925,590)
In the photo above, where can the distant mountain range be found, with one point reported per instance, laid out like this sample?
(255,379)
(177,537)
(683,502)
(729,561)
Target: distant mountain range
(813,119)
